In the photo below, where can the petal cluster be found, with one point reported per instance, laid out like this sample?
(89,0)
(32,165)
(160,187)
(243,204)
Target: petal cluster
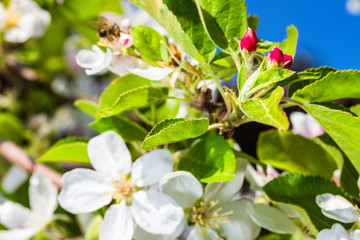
(116,179)
(23,223)
(23,19)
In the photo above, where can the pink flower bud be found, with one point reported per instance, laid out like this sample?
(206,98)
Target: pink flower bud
(249,41)
(276,57)
(287,61)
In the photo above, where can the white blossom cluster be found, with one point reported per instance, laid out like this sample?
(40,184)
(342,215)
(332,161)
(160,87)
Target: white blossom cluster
(22,20)
(148,201)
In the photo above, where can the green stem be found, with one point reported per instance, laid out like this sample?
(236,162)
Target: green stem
(180,99)
(236,59)
(215,126)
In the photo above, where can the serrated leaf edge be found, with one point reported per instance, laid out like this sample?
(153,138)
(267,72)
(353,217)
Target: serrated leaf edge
(162,130)
(320,80)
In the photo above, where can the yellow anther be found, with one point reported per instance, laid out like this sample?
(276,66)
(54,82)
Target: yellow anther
(215,214)
(217,225)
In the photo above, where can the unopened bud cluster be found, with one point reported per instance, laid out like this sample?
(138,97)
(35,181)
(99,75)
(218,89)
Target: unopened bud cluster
(276,58)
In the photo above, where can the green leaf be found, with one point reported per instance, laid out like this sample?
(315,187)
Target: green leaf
(223,59)
(174,130)
(241,79)
(210,160)
(136,98)
(127,129)
(71,149)
(267,110)
(288,46)
(356,109)
(148,42)
(342,127)
(349,175)
(270,218)
(120,86)
(11,128)
(168,109)
(87,106)
(224,20)
(264,80)
(335,85)
(253,22)
(181,20)
(301,79)
(295,154)
(301,191)
(82,10)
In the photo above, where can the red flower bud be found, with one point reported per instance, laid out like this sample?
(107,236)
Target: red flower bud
(249,41)
(287,61)
(276,57)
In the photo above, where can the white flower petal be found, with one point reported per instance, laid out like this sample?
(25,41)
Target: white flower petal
(156,212)
(270,218)
(337,207)
(151,73)
(121,62)
(126,40)
(140,234)
(109,154)
(195,234)
(85,190)
(305,125)
(125,25)
(14,215)
(32,21)
(353,7)
(18,234)
(355,235)
(225,191)
(241,226)
(13,179)
(42,196)
(337,232)
(183,187)
(96,61)
(117,224)
(148,169)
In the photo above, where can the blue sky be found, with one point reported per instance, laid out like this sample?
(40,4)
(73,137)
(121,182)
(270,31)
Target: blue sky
(328,34)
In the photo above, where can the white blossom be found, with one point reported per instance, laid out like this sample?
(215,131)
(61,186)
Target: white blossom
(304,124)
(338,232)
(338,208)
(23,223)
(115,178)
(213,212)
(353,7)
(96,61)
(24,20)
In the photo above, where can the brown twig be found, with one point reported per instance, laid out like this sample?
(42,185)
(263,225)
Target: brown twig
(14,154)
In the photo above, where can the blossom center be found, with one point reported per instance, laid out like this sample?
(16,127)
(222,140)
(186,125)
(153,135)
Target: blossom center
(124,187)
(13,17)
(207,214)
